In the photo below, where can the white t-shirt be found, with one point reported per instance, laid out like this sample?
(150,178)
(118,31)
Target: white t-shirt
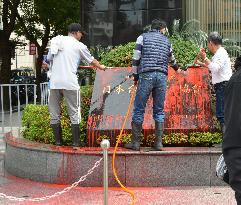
(66,62)
(220,66)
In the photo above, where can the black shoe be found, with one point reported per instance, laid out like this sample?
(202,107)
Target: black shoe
(57,134)
(135,139)
(133,145)
(159,127)
(75,135)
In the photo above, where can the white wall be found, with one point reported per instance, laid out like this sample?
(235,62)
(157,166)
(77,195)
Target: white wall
(22,58)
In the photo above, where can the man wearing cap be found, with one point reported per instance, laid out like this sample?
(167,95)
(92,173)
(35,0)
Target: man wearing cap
(150,60)
(66,52)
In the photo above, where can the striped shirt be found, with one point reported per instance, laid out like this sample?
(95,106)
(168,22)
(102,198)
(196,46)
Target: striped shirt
(136,58)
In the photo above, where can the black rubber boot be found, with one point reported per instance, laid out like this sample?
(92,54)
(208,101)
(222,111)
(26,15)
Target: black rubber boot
(136,136)
(57,134)
(75,135)
(159,127)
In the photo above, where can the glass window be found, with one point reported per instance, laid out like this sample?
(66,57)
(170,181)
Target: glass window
(101,28)
(166,15)
(131,4)
(128,25)
(171,4)
(102,5)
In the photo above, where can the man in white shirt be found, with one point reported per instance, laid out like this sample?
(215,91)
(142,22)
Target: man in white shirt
(66,52)
(220,67)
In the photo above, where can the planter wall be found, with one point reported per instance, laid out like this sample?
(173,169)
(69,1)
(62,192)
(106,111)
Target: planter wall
(63,165)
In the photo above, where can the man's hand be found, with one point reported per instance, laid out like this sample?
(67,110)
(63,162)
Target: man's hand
(133,77)
(102,67)
(202,53)
(200,63)
(96,64)
(179,70)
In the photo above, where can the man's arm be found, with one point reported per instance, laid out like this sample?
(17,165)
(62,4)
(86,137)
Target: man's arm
(90,59)
(172,60)
(136,58)
(96,64)
(214,65)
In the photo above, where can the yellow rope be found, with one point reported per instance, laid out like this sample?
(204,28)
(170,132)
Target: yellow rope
(116,146)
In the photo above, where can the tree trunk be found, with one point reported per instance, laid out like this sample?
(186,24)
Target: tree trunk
(5,72)
(38,72)
(5,69)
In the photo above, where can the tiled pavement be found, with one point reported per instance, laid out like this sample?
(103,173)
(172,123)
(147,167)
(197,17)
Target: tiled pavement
(14,130)
(11,122)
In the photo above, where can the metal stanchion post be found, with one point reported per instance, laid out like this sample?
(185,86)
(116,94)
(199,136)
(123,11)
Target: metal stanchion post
(105,144)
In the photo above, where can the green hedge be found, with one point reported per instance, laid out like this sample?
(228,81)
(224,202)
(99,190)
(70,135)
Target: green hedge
(184,51)
(36,120)
(194,139)
(121,56)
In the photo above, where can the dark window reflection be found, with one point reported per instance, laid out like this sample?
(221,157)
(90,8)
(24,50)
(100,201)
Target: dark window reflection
(102,5)
(131,4)
(166,15)
(161,4)
(114,22)
(101,28)
(129,24)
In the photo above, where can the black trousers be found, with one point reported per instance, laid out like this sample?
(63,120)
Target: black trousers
(232,159)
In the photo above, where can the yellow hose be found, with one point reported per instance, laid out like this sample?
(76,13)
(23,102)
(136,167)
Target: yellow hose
(116,146)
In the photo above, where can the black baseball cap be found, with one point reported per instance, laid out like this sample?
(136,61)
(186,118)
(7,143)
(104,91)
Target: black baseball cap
(75,27)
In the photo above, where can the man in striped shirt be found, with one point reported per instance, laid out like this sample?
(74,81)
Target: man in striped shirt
(150,60)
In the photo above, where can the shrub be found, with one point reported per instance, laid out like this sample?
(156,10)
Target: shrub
(205,139)
(184,51)
(119,56)
(36,121)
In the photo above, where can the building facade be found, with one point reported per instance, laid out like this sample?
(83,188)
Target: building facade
(223,16)
(114,22)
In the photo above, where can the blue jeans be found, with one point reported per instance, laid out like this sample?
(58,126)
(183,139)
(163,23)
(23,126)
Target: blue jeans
(219,90)
(150,82)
